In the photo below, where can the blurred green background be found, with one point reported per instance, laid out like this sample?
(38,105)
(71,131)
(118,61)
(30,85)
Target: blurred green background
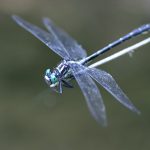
(33,117)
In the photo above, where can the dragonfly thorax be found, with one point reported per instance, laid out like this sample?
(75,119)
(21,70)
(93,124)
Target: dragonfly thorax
(59,73)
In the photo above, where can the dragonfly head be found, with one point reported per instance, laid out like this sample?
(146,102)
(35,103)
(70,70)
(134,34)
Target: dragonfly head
(50,78)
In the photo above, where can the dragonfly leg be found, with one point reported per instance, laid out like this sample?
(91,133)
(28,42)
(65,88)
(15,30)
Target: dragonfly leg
(67,84)
(60,87)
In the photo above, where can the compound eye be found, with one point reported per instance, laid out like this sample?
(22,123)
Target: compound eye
(48,72)
(53,79)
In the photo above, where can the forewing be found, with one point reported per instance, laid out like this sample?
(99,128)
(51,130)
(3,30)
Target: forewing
(90,92)
(107,81)
(74,49)
(47,38)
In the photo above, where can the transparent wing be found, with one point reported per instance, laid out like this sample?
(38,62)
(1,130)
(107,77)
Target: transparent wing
(91,93)
(107,81)
(74,49)
(47,38)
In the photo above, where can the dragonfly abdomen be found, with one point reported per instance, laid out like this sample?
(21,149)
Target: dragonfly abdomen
(134,33)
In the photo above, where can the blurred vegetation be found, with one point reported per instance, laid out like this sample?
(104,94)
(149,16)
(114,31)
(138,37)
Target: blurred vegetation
(32,116)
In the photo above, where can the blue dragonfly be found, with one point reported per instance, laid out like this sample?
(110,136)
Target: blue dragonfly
(75,66)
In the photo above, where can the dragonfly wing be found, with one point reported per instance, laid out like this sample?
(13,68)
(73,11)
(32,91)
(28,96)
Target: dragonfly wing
(90,92)
(74,49)
(107,81)
(47,38)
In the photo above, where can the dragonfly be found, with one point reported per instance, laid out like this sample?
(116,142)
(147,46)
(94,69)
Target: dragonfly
(74,65)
